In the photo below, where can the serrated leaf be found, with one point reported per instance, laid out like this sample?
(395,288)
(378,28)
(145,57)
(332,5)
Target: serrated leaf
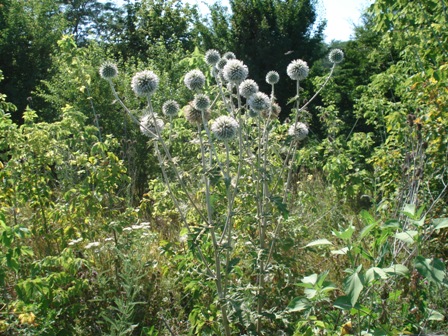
(319,242)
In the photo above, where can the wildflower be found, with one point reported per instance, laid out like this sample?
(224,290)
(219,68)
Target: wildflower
(170,108)
(194,80)
(201,102)
(75,241)
(224,128)
(92,244)
(273,112)
(144,83)
(27,318)
(212,57)
(108,70)
(247,88)
(336,56)
(194,116)
(229,55)
(221,63)
(272,77)
(298,70)
(259,102)
(298,131)
(235,71)
(150,125)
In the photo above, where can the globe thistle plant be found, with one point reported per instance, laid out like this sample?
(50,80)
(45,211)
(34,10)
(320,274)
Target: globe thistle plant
(336,56)
(144,83)
(224,128)
(235,71)
(272,77)
(221,63)
(259,102)
(201,102)
(212,57)
(298,131)
(170,108)
(194,116)
(108,70)
(247,88)
(229,55)
(298,70)
(272,113)
(150,125)
(194,80)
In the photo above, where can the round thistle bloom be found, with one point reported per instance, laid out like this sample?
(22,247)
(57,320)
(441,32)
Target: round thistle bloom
(150,125)
(298,131)
(194,116)
(144,83)
(272,77)
(224,128)
(235,71)
(273,112)
(212,57)
(259,102)
(170,108)
(298,70)
(108,70)
(229,55)
(336,56)
(221,63)
(247,88)
(201,102)
(194,80)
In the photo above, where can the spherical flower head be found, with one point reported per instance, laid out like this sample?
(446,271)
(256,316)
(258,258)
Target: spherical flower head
(150,125)
(229,55)
(144,83)
(170,108)
(259,102)
(108,70)
(298,131)
(235,71)
(272,77)
(221,63)
(298,70)
(247,88)
(194,116)
(201,102)
(336,56)
(224,128)
(253,113)
(212,57)
(273,112)
(194,80)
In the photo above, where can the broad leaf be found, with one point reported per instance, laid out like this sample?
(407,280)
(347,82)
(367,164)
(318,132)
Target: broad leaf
(353,286)
(431,269)
(407,236)
(298,304)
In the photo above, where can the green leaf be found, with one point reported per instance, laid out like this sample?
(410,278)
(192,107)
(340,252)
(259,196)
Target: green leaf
(341,251)
(431,269)
(343,302)
(409,210)
(434,315)
(353,285)
(311,279)
(319,242)
(374,273)
(346,234)
(407,236)
(298,304)
(440,223)
(397,269)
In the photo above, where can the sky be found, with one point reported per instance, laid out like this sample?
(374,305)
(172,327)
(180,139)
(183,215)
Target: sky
(341,15)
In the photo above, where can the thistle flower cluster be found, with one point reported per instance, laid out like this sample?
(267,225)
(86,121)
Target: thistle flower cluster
(272,77)
(150,125)
(298,131)
(201,102)
(298,70)
(108,70)
(193,115)
(194,80)
(259,102)
(212,57)
(229,55)
(144,83)
(170,108)
(336,56)
(224,128)
(235,71)
(247,88)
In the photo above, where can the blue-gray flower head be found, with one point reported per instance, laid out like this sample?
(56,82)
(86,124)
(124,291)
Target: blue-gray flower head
(212,57)
(298,70)
(247,88)
(194,80)
(221,63)
(259,102)
(170,108)
(150,127)
(272,77)
(336,56)
(144,83)
(108,70)
(193,115)
(298,131)
(229,55)
(201,102)
(235,71)
(224,128)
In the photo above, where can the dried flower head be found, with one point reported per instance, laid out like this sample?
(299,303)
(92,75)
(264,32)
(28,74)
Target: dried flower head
(229,55)
(150,125)
(144,83)
(235,71)
(194,116)
(108,70)
(298,131)
(247,88)
(259,102)
(336,56)
(194,80)
(224,128)
(170,108)
(272,77)
(298,70)
(201,102)
(212,57)
(273,112)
